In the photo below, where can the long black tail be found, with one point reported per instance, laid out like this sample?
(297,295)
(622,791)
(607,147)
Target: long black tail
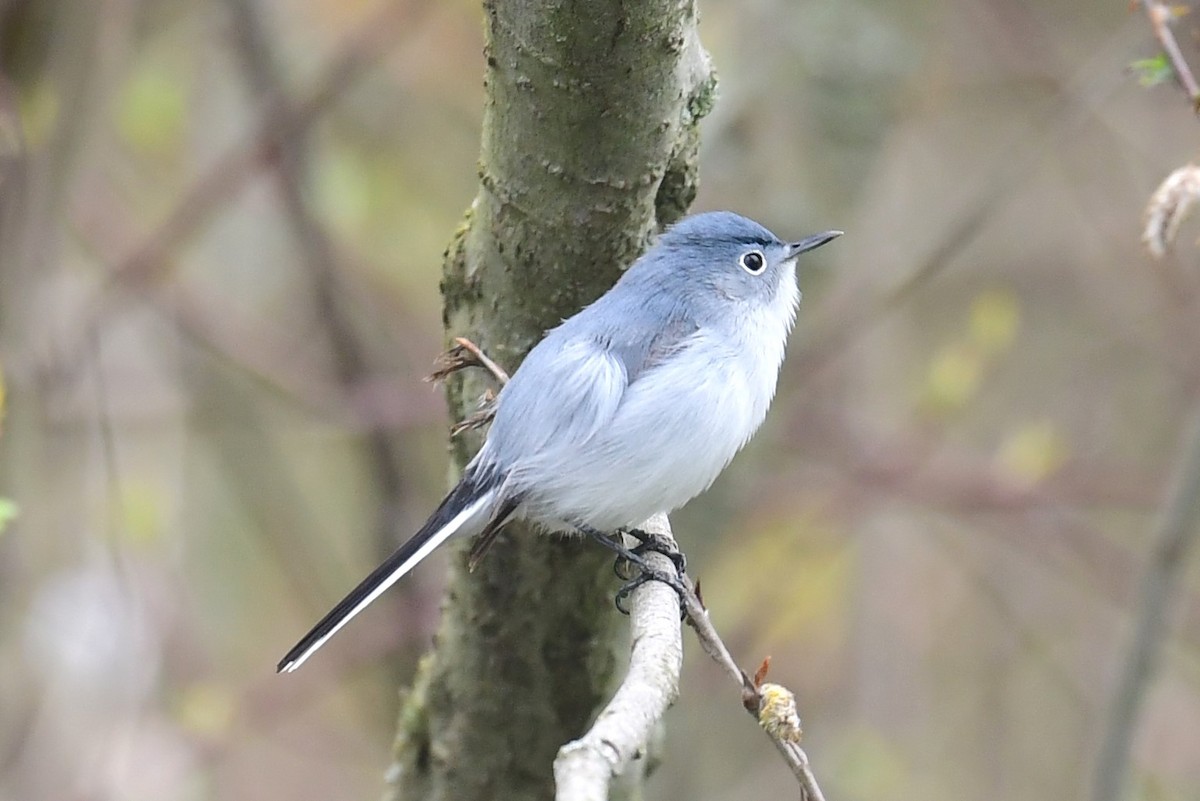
(464,510)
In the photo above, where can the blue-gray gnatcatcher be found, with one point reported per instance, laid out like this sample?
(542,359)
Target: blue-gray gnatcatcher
(629,408)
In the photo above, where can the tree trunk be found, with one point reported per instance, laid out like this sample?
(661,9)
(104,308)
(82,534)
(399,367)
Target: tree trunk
(589,146)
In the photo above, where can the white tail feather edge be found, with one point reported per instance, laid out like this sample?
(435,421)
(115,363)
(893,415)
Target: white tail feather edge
(444,533)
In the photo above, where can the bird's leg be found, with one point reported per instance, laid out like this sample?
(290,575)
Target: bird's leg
(649,542)
(634,556)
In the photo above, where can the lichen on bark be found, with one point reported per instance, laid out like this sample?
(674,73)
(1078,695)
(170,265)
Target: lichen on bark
(589,146)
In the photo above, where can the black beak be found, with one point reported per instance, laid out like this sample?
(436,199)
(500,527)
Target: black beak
(811,243)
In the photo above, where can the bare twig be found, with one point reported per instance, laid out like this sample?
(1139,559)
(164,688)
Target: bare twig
(1176,533)
(481,418)
(1160,15)
(465,353)
(1180,514)
(585,767)
(766,707)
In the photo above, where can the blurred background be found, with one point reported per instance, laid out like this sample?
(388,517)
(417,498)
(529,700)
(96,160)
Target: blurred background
(221,228)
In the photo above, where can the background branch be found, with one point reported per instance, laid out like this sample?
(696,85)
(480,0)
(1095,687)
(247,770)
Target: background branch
(1174,537)
(1160,15)
(146,264)
(1178,524)
(290,166)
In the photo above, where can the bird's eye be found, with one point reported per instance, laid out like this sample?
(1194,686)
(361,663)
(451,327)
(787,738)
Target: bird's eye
(753,262)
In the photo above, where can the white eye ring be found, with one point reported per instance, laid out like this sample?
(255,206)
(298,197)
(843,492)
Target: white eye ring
(753,262)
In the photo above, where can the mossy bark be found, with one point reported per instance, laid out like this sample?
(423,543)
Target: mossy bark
(589,146)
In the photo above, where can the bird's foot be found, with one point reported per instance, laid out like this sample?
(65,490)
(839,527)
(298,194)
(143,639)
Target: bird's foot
(628,558)
(645,574)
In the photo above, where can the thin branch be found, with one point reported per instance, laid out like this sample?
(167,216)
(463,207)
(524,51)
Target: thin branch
(1176,533)
(754,697)
(1160,15)
(585,767)
(466,353)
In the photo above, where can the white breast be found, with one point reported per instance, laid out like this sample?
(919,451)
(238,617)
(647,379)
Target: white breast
(678,425)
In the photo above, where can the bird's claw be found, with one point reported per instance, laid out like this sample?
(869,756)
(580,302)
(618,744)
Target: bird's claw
(652,542)
(628,558)
(646,574)
(648,542)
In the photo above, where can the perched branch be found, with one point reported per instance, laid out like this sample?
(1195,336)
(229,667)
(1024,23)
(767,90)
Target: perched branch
(585,767)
